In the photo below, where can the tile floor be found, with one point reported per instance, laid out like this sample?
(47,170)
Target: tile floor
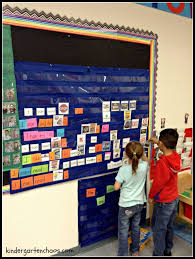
(109,246)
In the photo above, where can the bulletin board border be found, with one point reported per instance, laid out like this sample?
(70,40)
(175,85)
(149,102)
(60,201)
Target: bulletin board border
(42,21)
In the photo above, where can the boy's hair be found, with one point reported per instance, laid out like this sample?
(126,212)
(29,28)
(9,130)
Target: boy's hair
(169,138)
(134,151)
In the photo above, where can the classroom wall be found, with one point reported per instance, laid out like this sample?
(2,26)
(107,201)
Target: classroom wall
(48,216)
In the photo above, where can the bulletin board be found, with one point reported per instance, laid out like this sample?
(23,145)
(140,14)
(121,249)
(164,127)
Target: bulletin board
(75,119)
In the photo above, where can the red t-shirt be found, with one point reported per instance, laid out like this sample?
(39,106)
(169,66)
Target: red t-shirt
(164,186)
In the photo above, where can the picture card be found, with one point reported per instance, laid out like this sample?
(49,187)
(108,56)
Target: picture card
(116,144)
(134,123)
(113,134)
(127,115)
(57,153)
(106,106)
(58,175)
(45,157)
(11,120)
(51,110)
(142,138)
(58,120)
(81,139)
(81,150)
(9,147)
(54,165)
(40,111)
(144,122)
(124,105)
(125,142)
(93,127)
(127,125)
(106,145)
(143,131)
(28,111)
(132,105)
(63,108)
(7,134)
(116,153)
(107,156)
(85,128)
(115,106)
(16,159)
(106,116)
(56,142)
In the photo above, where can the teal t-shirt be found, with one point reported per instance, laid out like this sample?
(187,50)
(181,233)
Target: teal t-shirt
(132,191)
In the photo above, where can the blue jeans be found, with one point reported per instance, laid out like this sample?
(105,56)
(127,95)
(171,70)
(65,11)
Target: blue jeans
(162,226)
(129,217)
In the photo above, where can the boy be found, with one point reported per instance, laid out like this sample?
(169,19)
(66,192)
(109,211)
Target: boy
(165,193)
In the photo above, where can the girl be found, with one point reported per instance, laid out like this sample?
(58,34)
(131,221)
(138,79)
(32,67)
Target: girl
(131,179)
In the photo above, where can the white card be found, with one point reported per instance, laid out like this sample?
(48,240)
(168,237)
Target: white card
(142,138)
(73,153)
(81,161)
(46,146)
(116,144)
(54,165)
(81,139)
(66,164)
(63,108)
(57,152)
(132,105)
(144,122)
(115,106)
(125,161)
(58,175)
(113,134)
(40,111)
(109,166)
(51,111)
(135,123)
(124,105)
(73,163)
(125,142)
(106,106)
(116,153)
(25,148)
(106,116)
(34,147)
(94,139)
(44,157)
(28,111)
(58,120)
(90,160)
(91,150)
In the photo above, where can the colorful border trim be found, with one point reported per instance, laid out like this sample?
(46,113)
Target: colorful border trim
(33,19)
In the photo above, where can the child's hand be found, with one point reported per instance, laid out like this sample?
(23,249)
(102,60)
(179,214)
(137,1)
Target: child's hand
(151,201)
(154,140)
(144,157)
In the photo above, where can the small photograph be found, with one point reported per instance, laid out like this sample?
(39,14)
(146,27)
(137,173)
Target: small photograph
(12,108)
(9,147)
(6,108)
(58,153)
(124,105)
(186,117)
(58,175)
(132,104)
(134,123)
(11,121)
(54,165)
(56,142)
(113,135)
(81,150)
(106,106)
(15,133)
(5,122)
(115,106)
(45,157)
(127,115)
(16,145)
(16,159)
(144,122)
(7,134)
(81,139)
(85,128)
(106,116)
(93,127)
(143,131)
(116,144)
(142,138)
(127,125)
(106,146)
(116,153)
(163,122)
(58,120)
(9,94)
(63,108)
(6,161)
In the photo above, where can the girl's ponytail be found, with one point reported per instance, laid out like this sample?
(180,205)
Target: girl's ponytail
(135,162)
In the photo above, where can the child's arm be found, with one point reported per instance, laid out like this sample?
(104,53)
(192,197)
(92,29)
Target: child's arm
(154,140)
(117,186)
(145,158)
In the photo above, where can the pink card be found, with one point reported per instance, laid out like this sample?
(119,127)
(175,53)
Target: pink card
(30,135)
(31,123)
(105,128)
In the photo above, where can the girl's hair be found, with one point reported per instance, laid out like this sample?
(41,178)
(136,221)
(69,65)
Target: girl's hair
(134,151)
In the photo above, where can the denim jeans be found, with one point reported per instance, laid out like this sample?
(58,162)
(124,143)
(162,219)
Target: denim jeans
(162,226)
(129,218)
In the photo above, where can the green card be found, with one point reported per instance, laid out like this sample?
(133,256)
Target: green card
(109,188)
(36,169)
(45,168)
(26,160)
(100,200)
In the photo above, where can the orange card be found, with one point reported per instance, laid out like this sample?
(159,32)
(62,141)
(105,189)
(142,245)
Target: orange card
(27,182)
(78,110)
(48,178)
(14,173)
(98,129)
(39,179)
(90,192)
(66,153)
(99,158)
(15,184)
(98,148)
(66,174)
(36,158)
(51,155)
(63,142)
(49,123)
(65,121)
(42,123)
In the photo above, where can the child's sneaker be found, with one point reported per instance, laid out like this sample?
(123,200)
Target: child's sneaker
(135,254)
